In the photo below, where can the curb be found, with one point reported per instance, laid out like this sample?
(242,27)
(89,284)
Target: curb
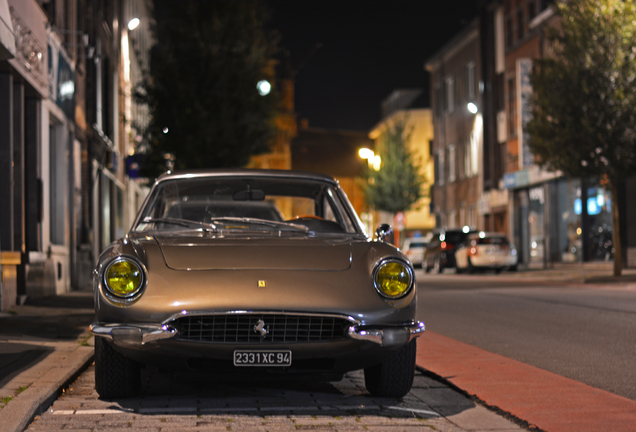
(20,412)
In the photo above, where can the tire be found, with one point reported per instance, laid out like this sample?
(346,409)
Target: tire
(513,268)
(116,376)
(394,376)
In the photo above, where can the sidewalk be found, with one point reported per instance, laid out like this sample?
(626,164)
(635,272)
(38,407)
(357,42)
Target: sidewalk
(576,273)
(43,346)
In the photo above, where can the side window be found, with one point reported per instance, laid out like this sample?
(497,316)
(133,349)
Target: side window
(335,211)
(329,214)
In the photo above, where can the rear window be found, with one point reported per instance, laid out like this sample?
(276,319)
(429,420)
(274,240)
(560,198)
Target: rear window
(417,245)
(453,237)
(502,241)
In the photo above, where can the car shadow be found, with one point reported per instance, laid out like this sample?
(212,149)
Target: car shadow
(188,393)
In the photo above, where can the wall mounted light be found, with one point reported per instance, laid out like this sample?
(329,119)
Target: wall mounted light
(133,23)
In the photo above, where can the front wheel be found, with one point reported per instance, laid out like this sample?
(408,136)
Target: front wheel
(116,376)
(394,376)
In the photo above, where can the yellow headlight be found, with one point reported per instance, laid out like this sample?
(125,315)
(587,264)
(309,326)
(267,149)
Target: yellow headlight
(393,279)
(123,278)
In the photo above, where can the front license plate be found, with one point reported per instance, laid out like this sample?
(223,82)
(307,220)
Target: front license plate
(262,358)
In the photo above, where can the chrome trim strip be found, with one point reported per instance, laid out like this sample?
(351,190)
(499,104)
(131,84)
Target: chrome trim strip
(245,312)
(377,335)
(148,332)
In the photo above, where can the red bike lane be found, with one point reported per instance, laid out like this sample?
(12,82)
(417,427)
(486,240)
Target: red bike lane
(548,401)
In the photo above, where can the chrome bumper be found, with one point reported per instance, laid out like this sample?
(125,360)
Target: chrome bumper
(140,334)
(133,334)
(389,336)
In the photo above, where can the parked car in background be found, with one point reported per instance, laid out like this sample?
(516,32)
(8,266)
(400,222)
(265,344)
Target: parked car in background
(440,252)
(258,273)
(484,250)
(414,249)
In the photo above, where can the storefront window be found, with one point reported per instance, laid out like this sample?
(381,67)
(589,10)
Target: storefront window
(569,220)
(599,211)
(536,223)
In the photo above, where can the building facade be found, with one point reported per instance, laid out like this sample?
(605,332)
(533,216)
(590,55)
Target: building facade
(457,150)
(411,107)
(550,218)
(66,70)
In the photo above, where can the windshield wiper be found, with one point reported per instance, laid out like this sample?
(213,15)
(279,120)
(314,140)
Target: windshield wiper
(182,222)
(266,222)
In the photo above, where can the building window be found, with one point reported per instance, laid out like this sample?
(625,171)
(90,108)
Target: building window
(509,32)
(471,217)
(439,168)
(520,27)
(470,81)
(451,163)
(467,163)
(439,102)
(452,219)
(474,153)
(512,107)
(532,11)
(450,94)
(57,170)
(545,3)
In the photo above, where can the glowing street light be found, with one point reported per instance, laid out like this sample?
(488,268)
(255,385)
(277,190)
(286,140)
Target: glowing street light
(133,23)
(374,160)
(472,108)
(366,153)
(263,87)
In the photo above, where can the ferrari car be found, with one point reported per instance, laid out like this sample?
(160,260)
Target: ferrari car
(259,273)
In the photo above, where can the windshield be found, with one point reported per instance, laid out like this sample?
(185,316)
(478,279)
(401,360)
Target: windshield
(247,204)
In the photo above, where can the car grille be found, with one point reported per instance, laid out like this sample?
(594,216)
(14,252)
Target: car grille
(243,328)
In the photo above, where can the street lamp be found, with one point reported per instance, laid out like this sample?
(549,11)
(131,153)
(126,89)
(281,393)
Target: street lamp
(472,108)
(263,87)
(133,23)
(374,160)
(366,153)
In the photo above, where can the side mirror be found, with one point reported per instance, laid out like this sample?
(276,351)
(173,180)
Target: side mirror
(384,233)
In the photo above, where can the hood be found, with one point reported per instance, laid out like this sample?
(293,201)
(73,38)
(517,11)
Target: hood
(300,253)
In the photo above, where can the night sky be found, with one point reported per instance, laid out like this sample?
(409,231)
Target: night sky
(369,48)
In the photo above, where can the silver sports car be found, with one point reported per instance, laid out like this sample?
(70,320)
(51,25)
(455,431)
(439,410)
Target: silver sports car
(253,272)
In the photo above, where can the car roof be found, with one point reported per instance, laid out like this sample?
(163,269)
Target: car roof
(240,173)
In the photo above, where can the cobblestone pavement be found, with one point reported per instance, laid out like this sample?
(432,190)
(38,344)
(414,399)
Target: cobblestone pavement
(186,401)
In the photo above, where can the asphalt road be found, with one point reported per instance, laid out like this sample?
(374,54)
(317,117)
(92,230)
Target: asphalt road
(584,333)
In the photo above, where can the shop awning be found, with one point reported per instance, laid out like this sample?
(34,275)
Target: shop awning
(7,39)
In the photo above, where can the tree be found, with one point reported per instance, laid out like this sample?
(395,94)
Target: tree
(202,96)
(397,185)
(584,104)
